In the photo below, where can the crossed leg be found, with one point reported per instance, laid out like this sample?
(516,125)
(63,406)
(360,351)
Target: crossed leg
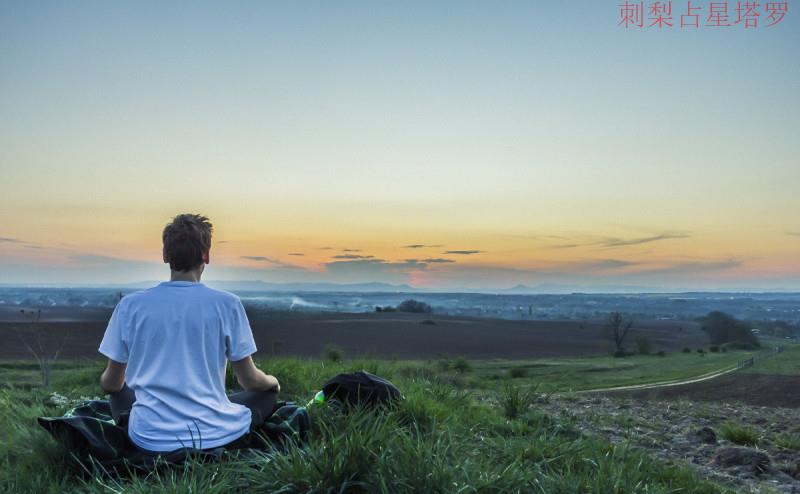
(260,403)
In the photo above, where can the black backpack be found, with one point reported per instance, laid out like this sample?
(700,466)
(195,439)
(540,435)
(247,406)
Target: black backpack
(361,388)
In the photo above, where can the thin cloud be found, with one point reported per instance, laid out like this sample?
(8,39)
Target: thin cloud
(618,242)
(534,237)
(463,252)
(17,241)
(296,254)
(353,256)
(430,260)
(371,260)
(793,234)
(270,260)
(607,264)
(369,270)
(612,242)
(351,250)
(694,267)
(324,248)
(420,246)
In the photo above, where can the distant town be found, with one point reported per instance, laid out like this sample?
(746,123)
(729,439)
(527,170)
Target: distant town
(776,314)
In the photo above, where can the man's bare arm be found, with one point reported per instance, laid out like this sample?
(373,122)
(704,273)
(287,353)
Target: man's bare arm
(251,378)
(113,378)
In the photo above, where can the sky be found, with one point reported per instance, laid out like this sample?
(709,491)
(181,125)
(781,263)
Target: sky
(444,145)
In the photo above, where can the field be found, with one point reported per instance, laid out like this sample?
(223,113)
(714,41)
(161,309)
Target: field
(381,335)
(587,373)
(772,382)
(445,437)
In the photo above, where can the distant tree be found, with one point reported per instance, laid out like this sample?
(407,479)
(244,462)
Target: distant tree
(724,328)
(779,328)
(617,328)
(414,306)
(44,350)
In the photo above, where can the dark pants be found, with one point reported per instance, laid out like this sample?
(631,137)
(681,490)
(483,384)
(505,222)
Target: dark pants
(260,403)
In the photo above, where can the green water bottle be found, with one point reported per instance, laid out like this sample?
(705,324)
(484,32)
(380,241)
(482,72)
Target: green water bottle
(318,399)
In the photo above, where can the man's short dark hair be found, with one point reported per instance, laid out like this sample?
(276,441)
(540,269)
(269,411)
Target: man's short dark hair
(186,238)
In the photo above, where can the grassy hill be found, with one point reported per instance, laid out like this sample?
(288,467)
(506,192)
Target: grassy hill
(455,432)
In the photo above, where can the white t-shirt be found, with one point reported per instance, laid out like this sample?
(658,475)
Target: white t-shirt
(176,339)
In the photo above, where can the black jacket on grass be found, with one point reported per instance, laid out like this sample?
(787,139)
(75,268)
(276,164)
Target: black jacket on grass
(89,432)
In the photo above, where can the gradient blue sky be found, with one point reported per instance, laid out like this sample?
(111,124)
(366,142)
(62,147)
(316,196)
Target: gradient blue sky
(560,146)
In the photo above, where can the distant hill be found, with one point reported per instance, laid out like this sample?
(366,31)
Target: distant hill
(559,288)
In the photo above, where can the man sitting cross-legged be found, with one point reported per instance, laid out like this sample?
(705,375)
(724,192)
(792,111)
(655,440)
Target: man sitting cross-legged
(168,347)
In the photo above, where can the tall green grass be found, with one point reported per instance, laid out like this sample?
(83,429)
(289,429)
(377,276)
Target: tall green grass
(444,437)
(739,434)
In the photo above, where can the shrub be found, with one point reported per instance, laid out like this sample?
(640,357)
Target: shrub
(461,365)
(738,345)
(620,353)
(739,434)
(724,328)
(517,372)
(701,351)
(713,349)
(414,306)
(516,401)
(443,365)
(788,441)
(686,349)
(429,322)
(333,353)
(661,353)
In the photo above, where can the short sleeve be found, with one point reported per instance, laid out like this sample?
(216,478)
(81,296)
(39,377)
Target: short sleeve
(239,342)
(113,345)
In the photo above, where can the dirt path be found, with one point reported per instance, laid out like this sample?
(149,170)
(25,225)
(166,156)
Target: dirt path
(692,380)
(665,384)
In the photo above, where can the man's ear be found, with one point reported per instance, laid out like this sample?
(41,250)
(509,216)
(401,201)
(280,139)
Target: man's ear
(206,256)
(164,254)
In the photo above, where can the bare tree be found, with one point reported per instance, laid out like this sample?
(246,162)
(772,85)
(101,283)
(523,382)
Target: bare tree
(618,327)
(46,353)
